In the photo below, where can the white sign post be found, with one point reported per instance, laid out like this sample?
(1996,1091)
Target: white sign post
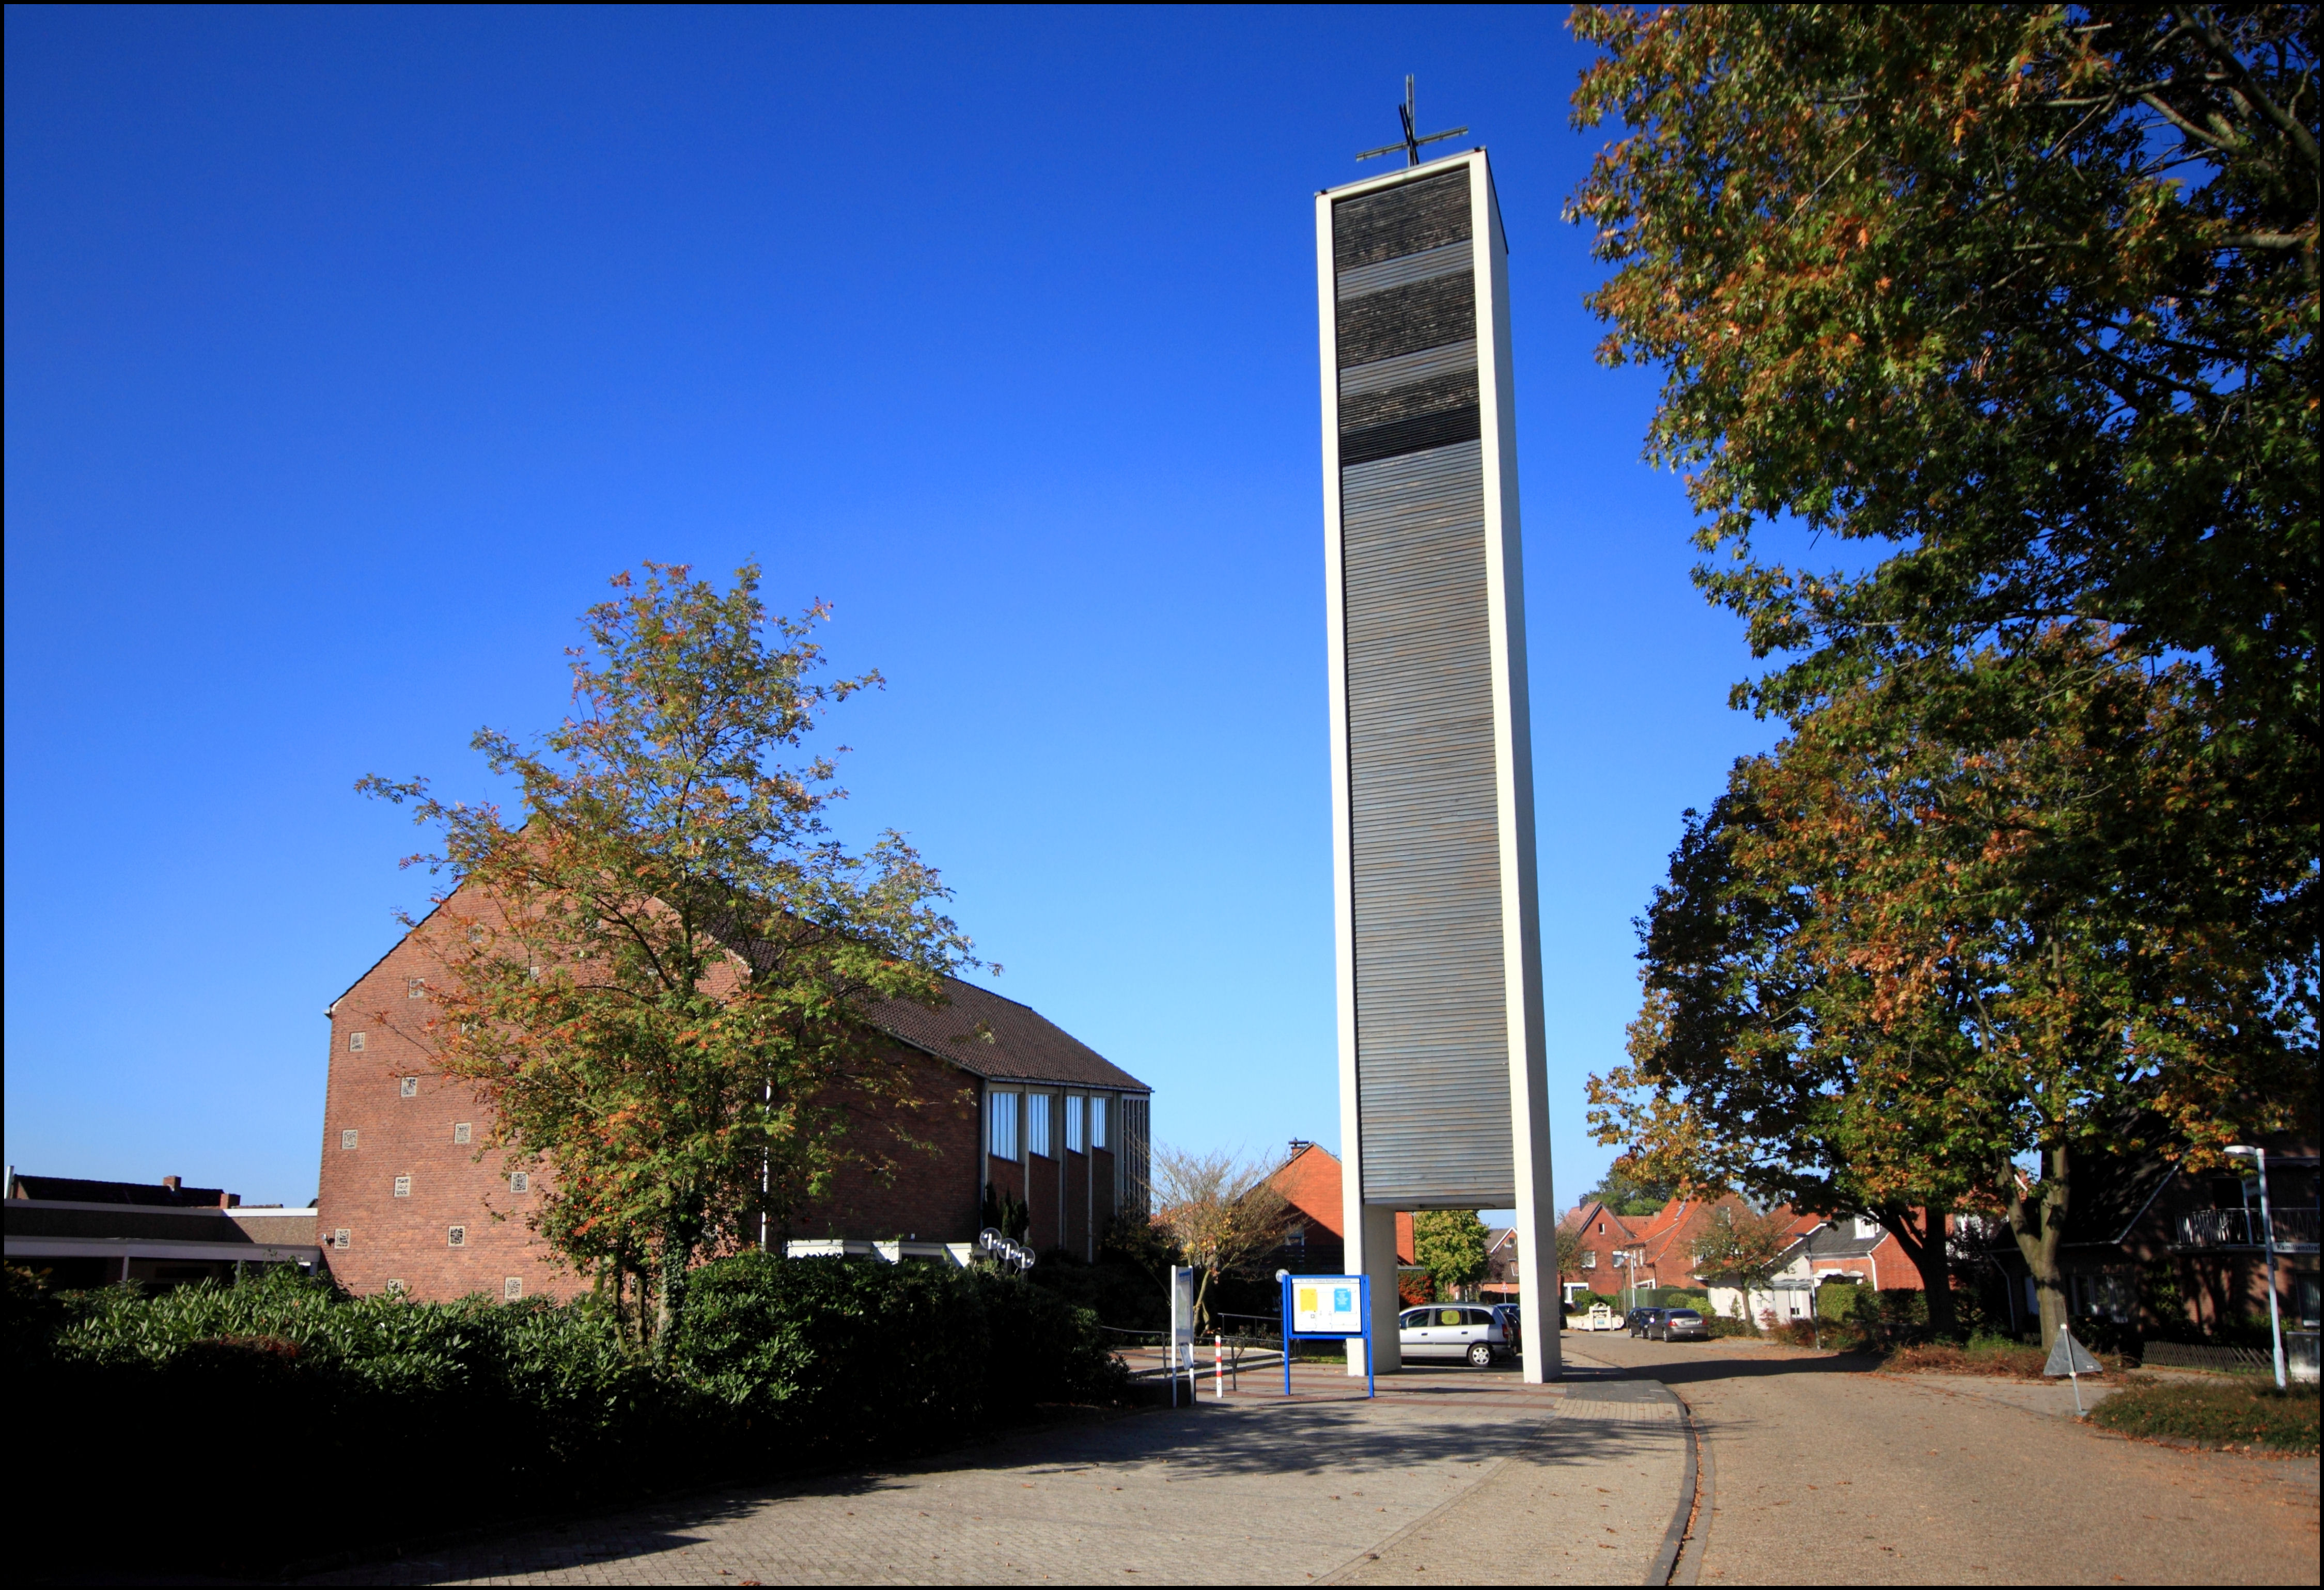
(1182,1326)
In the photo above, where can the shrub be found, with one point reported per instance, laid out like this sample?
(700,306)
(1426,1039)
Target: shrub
(2215,1413)
(779,1363)
(1725,1324)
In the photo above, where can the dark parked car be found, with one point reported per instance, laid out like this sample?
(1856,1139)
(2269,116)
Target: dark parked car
(1680,1325)
(1642,1322)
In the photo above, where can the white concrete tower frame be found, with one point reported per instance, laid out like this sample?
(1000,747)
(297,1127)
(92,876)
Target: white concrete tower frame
(1371,1231)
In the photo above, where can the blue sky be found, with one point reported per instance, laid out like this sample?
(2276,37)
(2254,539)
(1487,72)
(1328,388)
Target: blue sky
(349,352)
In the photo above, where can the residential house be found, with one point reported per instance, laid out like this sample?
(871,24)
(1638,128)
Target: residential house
(1845,1248)
(82,1233)
(1313,1236)
(2151,1248)
(1620,1252)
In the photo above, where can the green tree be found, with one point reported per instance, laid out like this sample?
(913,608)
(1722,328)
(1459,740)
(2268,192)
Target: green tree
(1449,1245)
(2024,299)
(658,971)
(1629,1192)
(1887,971)
(2026,294)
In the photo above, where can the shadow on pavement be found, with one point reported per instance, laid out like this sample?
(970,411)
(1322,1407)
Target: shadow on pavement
(1345,1439)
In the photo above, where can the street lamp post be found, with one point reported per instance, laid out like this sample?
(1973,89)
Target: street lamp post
(2258,1156)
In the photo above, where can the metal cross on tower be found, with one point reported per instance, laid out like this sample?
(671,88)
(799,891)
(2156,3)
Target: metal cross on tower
(1409,111)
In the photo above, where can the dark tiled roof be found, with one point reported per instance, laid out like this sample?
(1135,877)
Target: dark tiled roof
(1834,1240)
(72,1190)
(989,1036)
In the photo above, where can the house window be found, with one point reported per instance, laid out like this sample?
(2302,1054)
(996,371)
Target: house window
(415,988)
(347,1138)
(1294,1241)
(520,1181)
(410,1087)
(340,1237)
(1866,1229)
(1036,1124)
(459,1131)
(456,1238)
(1097,1123)
(512,1288)
(354,1042)
(1075,1142)
(1590,1259)
(403,1187)
(1002,1135)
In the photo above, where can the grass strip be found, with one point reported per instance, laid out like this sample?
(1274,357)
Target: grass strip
(2225,1413)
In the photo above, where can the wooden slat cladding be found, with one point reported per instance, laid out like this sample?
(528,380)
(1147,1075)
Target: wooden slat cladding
(1447,261)
(1419,414)
(1423,366)
(1432,1030)
(1405,319)
(1405,220)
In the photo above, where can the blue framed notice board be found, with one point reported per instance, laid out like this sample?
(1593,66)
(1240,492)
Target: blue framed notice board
(1327,1308)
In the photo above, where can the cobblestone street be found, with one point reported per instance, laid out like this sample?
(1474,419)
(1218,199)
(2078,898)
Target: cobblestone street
(1458,1474)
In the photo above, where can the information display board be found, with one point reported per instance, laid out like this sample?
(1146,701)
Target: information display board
(1327,1305)
(1334,1308)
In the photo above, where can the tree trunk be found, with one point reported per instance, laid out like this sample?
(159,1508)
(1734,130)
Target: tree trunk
(2040,1228)
(1924,1244)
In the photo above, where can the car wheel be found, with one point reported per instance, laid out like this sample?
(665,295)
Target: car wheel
(1481,1354)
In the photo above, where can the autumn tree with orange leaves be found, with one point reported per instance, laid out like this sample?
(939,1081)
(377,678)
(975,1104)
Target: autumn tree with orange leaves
(658,966)
(1902,957)
(2021,301)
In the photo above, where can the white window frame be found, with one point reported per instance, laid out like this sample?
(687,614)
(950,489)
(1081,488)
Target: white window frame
(1866,1229)
(1000,1127)
(355,1042)
(460,1131)
(1040,1126)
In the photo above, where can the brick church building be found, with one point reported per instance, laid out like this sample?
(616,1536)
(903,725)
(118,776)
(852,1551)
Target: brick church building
(411,1201)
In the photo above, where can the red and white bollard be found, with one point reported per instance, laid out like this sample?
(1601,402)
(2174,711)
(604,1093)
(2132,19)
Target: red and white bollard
(1219,1366)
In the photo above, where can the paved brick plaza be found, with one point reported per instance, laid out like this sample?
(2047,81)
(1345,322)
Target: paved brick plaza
(1455,1472)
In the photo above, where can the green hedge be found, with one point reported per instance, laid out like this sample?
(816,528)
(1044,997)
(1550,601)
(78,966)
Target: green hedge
(418,1419)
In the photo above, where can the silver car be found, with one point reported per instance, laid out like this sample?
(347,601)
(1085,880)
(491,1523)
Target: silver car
(1680,1325)
(1453,1330)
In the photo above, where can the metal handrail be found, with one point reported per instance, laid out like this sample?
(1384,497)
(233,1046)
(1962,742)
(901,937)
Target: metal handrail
(2237,1228)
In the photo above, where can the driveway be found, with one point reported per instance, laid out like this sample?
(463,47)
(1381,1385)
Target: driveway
(1459,1475)
(1819,1471)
